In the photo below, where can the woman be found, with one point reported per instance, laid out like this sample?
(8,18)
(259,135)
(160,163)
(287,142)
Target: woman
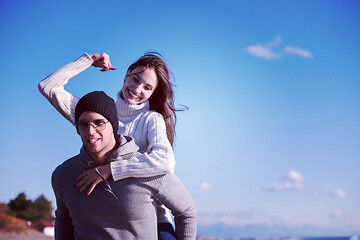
(145,106)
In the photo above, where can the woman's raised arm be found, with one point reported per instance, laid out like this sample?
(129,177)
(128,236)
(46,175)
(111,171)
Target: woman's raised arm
(52,87)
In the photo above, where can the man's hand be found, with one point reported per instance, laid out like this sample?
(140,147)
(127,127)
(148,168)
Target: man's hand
(102,60)
(90,178)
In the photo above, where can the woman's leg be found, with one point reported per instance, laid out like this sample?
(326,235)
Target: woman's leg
(166,231)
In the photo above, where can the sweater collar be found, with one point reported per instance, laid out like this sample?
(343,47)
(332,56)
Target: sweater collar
(127,110)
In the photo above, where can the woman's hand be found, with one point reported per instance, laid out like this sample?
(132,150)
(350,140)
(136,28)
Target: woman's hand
(102,60)
(90,178)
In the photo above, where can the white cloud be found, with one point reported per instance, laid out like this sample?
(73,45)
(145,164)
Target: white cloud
(284,186)
(336,214)
(293,180)
(262,52)
(298,51)
(340,193)
(206,186)
(277,40)
(294,176)
(267,52)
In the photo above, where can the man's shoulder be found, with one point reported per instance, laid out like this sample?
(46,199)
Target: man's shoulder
(159,180)
(65,166)
(126,149)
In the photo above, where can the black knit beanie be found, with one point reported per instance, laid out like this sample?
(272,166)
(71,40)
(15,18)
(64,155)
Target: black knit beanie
(101,103)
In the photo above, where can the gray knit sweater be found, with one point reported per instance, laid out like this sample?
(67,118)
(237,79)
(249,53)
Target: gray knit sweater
(125,210)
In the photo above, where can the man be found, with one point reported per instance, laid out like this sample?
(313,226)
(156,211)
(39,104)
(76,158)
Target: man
(115,210)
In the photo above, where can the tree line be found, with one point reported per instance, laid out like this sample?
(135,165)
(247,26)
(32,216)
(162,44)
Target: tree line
(29,210)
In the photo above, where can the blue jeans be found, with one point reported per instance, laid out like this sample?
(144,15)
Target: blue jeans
(166,231)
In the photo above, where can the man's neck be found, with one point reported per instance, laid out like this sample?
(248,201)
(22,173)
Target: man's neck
(102,158)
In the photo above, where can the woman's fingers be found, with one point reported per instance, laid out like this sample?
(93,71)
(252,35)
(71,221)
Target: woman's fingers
(102,60)
(92,188)
(89,179)
(108,68)
(82,188)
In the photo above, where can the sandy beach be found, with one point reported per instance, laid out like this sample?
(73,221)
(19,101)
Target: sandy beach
(31,235)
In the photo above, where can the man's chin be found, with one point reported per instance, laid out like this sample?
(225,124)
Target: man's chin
(91,149)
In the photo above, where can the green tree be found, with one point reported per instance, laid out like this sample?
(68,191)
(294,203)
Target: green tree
(43,208)
(24,208)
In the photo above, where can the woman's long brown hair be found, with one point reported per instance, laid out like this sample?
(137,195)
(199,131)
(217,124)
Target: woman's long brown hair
(162,99)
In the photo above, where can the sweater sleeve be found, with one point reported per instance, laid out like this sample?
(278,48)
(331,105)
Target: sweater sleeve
(158,158)
(174,196)
(52,87)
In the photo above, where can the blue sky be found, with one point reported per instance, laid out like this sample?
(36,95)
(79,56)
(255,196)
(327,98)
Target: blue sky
(272,134)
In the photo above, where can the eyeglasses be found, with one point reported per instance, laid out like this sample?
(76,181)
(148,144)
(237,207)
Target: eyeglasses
(98,124)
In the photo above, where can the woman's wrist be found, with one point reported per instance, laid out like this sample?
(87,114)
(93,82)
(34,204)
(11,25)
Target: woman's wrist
(105,170)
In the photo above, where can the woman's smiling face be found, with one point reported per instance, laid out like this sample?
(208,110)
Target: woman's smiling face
(139,85)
